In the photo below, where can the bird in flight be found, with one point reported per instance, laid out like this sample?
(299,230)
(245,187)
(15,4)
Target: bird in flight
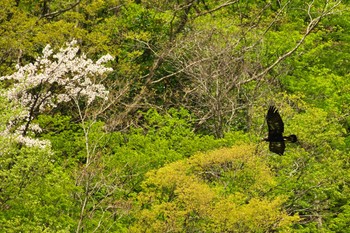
(276,129)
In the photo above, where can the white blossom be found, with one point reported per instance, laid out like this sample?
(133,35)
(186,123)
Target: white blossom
(32,142)
(104,59)
(55,78)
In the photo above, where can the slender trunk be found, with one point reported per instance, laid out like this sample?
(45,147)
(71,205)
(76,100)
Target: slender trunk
(83,206)
(86,174)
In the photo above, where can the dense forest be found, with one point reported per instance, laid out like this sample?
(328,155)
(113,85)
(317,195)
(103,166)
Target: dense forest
(148,115)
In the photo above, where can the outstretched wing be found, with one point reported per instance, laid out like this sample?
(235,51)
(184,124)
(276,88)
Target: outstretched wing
(277,147)
(274,123)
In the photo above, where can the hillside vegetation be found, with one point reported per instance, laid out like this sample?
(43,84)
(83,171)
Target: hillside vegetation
(148,116)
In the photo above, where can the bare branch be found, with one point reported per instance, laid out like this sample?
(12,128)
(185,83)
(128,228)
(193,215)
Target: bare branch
(228,3)
(56,13)
(310,27)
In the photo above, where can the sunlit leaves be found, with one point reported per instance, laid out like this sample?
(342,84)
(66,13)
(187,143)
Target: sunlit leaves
(189,195)
(259,215)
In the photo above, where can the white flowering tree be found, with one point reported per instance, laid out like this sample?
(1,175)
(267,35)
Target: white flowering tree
(52,79)
(41,86)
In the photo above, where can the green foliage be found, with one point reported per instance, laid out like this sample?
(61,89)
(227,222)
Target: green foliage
(319,72)
(15,38)
(35,194)
(66,137)
(341,222)
(176,127)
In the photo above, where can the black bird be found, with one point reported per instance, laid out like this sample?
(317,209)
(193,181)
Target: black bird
(276,128)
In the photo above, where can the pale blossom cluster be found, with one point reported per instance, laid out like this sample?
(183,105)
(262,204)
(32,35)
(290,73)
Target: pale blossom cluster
(31,142)
(55,78)
(25,140)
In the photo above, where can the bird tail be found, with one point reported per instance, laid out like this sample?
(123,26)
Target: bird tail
(291,138)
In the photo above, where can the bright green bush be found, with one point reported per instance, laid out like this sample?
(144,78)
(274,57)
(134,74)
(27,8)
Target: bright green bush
(220,191)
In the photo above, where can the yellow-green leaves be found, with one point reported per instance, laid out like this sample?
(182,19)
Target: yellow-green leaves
(221,191)
(259,215)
